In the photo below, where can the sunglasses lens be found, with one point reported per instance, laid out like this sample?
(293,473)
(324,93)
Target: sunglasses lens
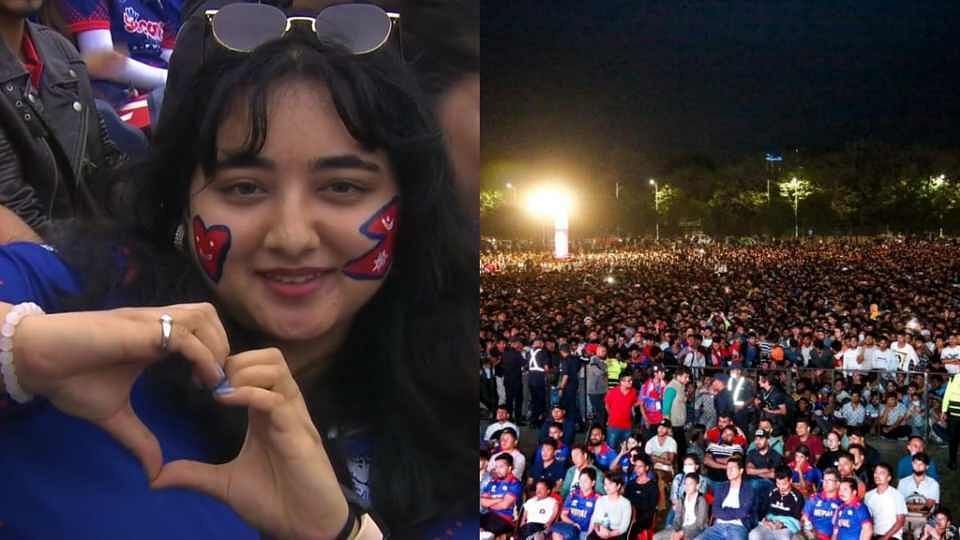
(244,27)
(361,28)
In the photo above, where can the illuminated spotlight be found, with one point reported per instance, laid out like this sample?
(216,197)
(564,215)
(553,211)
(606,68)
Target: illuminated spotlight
(555,202)
(610,280)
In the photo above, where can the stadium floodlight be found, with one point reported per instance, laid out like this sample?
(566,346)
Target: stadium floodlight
(555,202)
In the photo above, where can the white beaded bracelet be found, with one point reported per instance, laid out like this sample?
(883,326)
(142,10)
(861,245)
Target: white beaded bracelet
(9,328)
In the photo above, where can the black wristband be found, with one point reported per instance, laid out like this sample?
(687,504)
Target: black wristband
(349,526)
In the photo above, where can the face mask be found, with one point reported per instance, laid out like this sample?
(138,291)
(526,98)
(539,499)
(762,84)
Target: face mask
(687,469)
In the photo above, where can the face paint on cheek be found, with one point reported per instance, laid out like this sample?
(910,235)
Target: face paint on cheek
(211,244)
(382,226)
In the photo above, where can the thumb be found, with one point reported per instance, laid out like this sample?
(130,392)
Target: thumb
(202,477)
(128,430)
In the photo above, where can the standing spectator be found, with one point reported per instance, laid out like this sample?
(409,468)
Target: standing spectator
(675,406)
(732,505)
(784,506)
(950,355)
(950,413)
(893,419)
(772,403)
(886,504)
(619,404)
(540,511)
(690,512)
(501,497)
(596,381)
(569,381)
(920,484)
(884,358)
(820,508)
(577,509)
(703,405)
(538,363)
(612,513)
(907,358)
(852,521)
(512,362)
(915,445)
(651,400)
(722,399)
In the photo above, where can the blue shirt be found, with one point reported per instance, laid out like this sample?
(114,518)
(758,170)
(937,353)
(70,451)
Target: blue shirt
(555,472)
(604,457)
(820,511)
(581,508)
(498,489)
(850,519)
(905,468)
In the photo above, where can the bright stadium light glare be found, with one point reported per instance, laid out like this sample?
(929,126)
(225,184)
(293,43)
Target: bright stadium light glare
(553,202)
(610,280)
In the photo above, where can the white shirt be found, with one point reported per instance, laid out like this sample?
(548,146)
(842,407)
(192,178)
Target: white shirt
(850,360)
(885,359)
(906,355)
(540,510)
(951,353)
(929,488)
(519,462)
(869,354)
(690,509)
(654,448)
(497,426)
(614,515)
(885,507)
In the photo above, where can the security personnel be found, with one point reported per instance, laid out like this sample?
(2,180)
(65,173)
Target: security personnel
(537,366)
(950,411)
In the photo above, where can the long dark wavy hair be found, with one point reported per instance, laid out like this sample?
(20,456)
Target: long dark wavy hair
(404,377)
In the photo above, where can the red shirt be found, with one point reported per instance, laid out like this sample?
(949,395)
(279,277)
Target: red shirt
(31,59)
(713,435)
(813,443)
(619,407)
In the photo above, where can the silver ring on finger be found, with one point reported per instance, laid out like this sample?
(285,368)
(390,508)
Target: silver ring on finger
(166,330)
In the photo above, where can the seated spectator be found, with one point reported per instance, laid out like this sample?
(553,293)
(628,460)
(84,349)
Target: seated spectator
(612,513)
(820,508)
(870,454)
(695,444)
(852,521)
(732,505)
(803,437)
(853,411)
(501,497)
(832,452)
(555,432)
(503,421)
(886,504)
(568,426)
(508,445)
(724,420)
(540,511)
(662,449)
(920,487)
(643,494)
(893,419)
(690,512)
(846,466)
(784,508)
(775,440)
(691,465)
(861,471)
(548,468)
(485,475)
(718,454)
(941,528)
(603,455)
(582,459)
(578,509)
(915,445)
(762,462)
(805,477)
(624,462)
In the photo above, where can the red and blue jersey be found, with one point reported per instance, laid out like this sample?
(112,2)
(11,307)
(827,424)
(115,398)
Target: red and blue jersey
(581,507)
(850,518)
(820,510)
(604,457)
(498,489)
(651,398)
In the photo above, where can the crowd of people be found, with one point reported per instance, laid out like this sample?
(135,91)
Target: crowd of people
(765,366)
(212,334)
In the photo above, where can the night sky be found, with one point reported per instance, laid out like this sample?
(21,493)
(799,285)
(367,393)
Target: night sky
(619,85)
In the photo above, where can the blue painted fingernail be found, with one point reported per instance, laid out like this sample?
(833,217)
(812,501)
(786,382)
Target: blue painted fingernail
(223,388)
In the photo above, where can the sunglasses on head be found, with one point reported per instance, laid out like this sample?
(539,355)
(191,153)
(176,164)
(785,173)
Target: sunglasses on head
(360,28)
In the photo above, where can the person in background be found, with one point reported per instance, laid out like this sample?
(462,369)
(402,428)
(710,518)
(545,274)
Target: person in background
(690,516)
(886,504)
(941,528)
(503,421)
(675,407)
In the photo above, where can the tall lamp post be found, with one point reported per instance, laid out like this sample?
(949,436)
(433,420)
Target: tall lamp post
(797,190)
(656,205)
(513,188)
(937,183)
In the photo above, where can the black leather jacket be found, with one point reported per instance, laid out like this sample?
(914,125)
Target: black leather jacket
(53,145)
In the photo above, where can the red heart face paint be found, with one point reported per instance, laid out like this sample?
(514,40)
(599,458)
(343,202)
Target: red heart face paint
(382,226)
(212,245)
